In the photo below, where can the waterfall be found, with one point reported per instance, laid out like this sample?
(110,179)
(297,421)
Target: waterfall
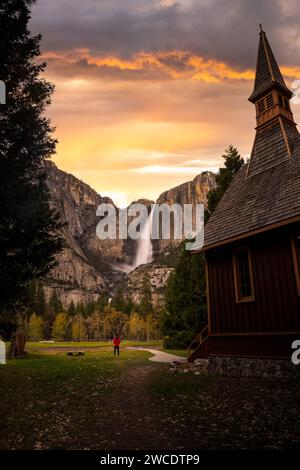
(144,252)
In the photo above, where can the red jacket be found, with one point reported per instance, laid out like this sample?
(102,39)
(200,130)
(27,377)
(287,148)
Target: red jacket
(116,341)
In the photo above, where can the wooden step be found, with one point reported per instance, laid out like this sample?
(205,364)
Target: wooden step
(202,351)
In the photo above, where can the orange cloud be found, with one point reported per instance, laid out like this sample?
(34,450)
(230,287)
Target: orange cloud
(290,72)
(129,141)
(174,64)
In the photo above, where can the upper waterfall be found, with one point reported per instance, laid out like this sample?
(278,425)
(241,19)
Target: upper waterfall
(144,252)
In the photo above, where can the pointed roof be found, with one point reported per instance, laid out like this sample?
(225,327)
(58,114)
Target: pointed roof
(266,191)
(267,71)
(252,205)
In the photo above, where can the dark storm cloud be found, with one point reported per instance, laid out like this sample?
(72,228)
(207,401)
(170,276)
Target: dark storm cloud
(222,29)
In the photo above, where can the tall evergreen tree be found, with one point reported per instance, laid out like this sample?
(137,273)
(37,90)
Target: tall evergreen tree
(80,308)
(122,304)
(232,163)
(29,229)
(90,308)
(40,300)
(72,309)
(146,306)
(186,310)
(128,306)
(55,305)
(118,301)
(102,302)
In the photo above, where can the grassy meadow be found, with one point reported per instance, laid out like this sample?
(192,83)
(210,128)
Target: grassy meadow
(52,401)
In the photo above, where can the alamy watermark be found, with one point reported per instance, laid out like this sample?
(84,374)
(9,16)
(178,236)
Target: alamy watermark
(296,353)
(2,92)
(296,92)
(164,222)
(2,352)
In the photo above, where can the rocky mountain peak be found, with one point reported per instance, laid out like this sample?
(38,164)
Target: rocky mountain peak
(89,266)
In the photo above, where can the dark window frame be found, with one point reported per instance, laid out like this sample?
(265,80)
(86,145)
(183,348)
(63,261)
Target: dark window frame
(238,286)
(295,244)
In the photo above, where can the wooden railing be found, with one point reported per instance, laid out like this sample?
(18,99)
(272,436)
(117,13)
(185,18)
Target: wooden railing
(198,339)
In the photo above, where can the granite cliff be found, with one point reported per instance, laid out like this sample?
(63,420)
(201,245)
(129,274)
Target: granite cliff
(192,192)
(77,276)
(89,266)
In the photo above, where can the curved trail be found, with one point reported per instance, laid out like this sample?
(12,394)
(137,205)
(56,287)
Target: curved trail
(160,356)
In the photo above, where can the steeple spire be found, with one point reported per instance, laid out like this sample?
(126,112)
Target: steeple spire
(268,74)
(276,130)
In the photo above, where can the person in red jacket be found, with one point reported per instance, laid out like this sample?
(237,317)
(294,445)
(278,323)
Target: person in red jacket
(116,343)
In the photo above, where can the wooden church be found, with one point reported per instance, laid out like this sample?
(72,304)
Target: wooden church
(252,240)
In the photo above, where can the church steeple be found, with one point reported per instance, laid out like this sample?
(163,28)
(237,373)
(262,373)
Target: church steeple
(276,128)
(268,74)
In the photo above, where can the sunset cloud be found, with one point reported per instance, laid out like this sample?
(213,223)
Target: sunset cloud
(174,64)
(148,93)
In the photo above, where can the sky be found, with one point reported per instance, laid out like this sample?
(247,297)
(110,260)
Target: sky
(149,93)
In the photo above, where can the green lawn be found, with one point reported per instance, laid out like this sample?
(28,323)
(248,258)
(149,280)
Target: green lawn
(98,401)
(177,352)
(89,344)
(218,412)
(46,398)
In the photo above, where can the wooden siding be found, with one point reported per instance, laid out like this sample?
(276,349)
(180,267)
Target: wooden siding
(276,346)
(263,345)
(276,307)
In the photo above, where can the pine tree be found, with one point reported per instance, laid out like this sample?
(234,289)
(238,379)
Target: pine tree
(102,302)
(118,301)
(31,295)
(40,300)
(29,229)
(128,306)
(145,306)
(232,163)
(72,309)
(90,308)
(55,304)
(186,310)
(80,308)
(55,307)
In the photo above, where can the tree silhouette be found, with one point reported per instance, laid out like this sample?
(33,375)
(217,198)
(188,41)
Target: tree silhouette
(29,228)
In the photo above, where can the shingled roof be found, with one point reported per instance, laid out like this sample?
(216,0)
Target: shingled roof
(249,204)
(267,70)
(266,191)
(272,145)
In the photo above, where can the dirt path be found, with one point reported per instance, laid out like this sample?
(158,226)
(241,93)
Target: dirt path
(134,423)
(143,407)
(160,356)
